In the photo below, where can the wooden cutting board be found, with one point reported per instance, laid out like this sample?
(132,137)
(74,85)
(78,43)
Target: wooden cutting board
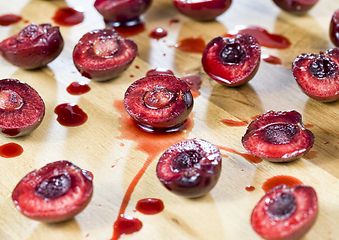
(97,145)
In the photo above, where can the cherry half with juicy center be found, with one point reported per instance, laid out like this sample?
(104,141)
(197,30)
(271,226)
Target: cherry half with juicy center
(285,213)
(57,192)
(318,74)
(21,108)
(33,47)
(232,61)
(103,54)
(278,136)
(159,102)
(190,168)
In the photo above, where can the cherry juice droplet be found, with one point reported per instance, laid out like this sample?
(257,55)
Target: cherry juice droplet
(68,16)
(8,19)
(127,30)
(250,188)
(194,82)
(191,45)
(150,206)
(278,180)
(271,59)
(70,115)
(158,33)
(10,150)
(265,38)
(126,225)
(233,123)
(77,88)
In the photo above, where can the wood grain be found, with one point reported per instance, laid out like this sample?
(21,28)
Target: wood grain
(225,212)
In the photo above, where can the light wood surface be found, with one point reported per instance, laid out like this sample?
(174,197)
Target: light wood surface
(225,212)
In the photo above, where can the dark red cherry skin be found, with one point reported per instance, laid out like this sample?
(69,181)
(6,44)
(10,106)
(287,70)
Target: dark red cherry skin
(55,193)
(21,108)
(190,168)
(33,47)
(159,102)
(202,10)
(278,136)
(103,54)
(232,61)
(121,11)
(318,74)
(334,28)
(296,7)
(285,213)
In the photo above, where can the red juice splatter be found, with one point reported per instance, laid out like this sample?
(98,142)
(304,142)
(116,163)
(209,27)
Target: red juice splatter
(191,45)
(8,19)
(68,16)
(194,82)
(151,143)
(233,123)
(278,180)
(158,33)
(70,115)
(173,20)
(77,88)
(250,188)
(265,38)
(271,59)
(10,150)
(128,31)
(150,206)
(249,157)
(126,225)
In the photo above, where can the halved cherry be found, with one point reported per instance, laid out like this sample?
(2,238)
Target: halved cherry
(297,7)
(21,108)
(190,168)
(285,213)
(56,192)
(159,102)
(232,61)
(278,136)
(33,47)
(318,74)
(103,54)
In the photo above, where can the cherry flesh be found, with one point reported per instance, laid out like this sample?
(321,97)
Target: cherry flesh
(190,168)
(21,108)
(33,47)
(278,136)
(296,7)
(334,28)
(318,74)
(159,102)
(204,10)
(232,61)
(285,213)
(122,12)
(55,193)
(103,54)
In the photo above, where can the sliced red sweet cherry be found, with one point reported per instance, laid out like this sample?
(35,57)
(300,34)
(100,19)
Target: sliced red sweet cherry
(285,213)
(21,108)
(318,74)
(203,10)
(232,61)
(103,54)
(190,168)
(56,192)
(159,102)
(122,12)
(334,28)
(296,7)
(278,136)
(33,47)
